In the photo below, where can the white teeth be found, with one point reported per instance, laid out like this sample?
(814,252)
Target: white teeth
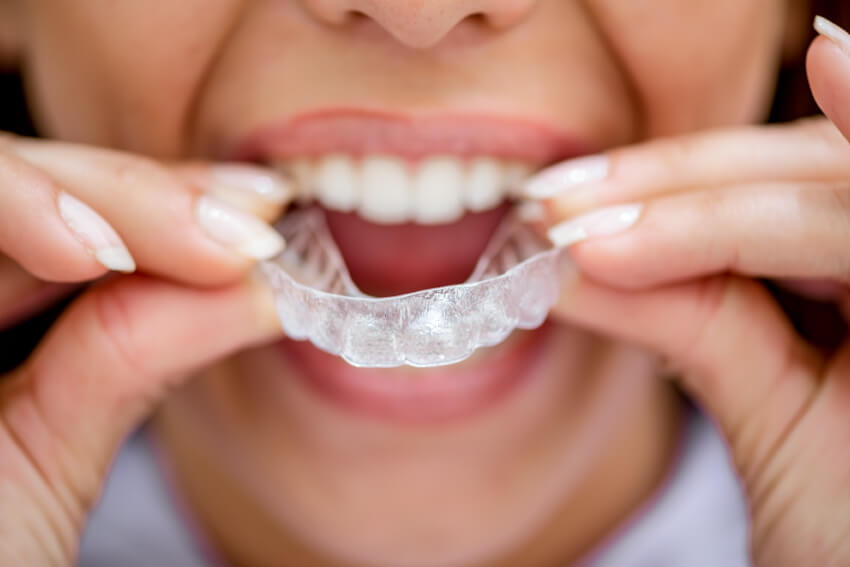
(484,184)
(515,174)
(301,171)
(385,189)
(438,191)
(336,183)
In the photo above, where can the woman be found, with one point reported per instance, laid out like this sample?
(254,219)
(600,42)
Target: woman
(560,445)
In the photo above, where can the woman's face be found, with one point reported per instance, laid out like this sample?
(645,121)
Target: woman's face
(455,463)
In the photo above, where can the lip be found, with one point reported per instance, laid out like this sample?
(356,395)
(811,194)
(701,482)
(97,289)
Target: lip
(412,395)
(362,132)
(418,396)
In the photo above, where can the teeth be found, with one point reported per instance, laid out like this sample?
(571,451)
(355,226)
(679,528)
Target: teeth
(484,184)
(336,184)
(301,171)
(515,174)
(387,190)
(437,190)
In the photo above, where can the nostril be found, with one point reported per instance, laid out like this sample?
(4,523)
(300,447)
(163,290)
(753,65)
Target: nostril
(344,17)
(478,19)
(356,15)
(423,23)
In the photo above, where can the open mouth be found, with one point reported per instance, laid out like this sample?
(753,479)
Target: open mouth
(402,227)
(411,205)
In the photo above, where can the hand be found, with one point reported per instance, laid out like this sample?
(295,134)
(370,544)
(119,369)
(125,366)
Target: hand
(127,339)
(676,233)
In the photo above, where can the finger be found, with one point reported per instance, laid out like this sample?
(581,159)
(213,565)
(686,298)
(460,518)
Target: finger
(810,150)
(171,227)
(828,66)
(769,231)
(109,358)
(21,294)
(50,233)
(737,353)
(250,189)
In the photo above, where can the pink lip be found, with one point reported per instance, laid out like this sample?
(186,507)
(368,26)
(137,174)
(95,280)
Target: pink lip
(360,132)
(413,396)
(397,394)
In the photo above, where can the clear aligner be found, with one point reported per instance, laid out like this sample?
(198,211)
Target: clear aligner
(515,283)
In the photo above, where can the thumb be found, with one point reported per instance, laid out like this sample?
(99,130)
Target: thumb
(828,65)
(109,358)
(735,351)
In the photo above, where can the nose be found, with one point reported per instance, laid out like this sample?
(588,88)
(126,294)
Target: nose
(422,23)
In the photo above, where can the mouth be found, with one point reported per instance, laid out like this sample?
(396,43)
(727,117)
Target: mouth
(411,204)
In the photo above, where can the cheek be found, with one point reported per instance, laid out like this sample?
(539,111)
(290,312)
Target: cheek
(119,73)
(697,64)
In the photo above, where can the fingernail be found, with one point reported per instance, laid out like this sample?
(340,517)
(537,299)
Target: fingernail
(603,222)
(95,233)
(530,211)
(567,175)
(249,188)
(237,230)
(834,33)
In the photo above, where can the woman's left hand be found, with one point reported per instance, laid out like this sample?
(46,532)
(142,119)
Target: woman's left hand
(677,233)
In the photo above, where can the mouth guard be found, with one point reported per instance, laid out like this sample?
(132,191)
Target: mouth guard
(515,283)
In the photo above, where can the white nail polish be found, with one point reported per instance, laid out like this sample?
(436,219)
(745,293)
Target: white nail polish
(567,175)
(833,32)
(238,230)
(95,233)
(530,211)
(237,182)
(603,222)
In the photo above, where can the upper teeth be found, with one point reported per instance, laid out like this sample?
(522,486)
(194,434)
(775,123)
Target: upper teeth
(385,189)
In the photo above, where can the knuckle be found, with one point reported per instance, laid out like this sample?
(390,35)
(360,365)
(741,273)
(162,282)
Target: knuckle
(116,312)
(711,296)
(831,204)
(838,199)
(671,155)
(821,215)
(133,171)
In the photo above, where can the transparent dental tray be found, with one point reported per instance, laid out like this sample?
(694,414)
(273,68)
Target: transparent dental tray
(513,285)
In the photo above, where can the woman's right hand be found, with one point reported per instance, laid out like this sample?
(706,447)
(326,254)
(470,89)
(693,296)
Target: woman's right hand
(194,231)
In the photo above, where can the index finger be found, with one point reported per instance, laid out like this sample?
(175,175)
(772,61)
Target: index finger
(828,66)
(808,151)
(176,222)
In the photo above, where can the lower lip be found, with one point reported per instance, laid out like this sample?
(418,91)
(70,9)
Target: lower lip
(416,395)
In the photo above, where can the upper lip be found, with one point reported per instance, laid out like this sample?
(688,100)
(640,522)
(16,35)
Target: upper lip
(360,132)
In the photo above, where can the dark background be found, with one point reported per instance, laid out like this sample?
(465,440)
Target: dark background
(817,321)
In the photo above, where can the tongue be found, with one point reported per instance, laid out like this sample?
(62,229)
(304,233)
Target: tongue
(394,259)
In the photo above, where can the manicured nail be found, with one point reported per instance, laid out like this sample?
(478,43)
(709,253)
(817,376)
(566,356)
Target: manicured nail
(531,211)
(238,230)
(243,186)
(603,222)
(834,33)
(567,175)
(95,233)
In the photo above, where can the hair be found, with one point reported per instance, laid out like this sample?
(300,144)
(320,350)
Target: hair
(816,321)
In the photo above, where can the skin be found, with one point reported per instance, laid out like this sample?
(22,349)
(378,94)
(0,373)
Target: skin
(609,72)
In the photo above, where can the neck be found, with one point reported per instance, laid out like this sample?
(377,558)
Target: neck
(639,450)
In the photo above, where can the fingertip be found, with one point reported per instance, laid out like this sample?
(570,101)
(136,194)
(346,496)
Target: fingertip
(255,190)
(264,302)
(616,261)
(828,69)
